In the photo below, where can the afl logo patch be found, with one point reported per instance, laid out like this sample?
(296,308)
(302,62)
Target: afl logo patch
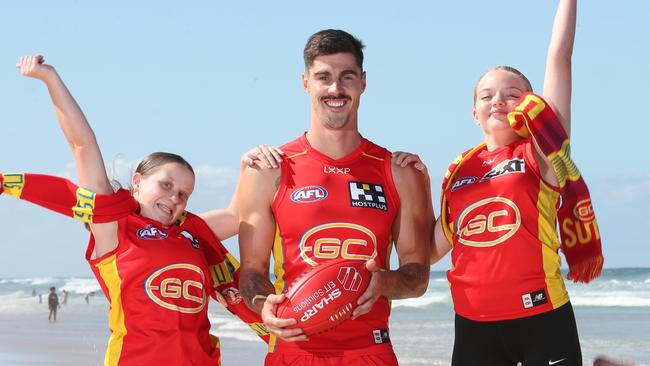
(463,182)
(309,194)
(151,232)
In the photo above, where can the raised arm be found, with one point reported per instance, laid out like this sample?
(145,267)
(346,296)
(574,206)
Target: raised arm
(412,230)
(557,78)
(75,127)
(81,138)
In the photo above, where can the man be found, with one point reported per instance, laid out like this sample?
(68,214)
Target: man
(53,304)
(336,196)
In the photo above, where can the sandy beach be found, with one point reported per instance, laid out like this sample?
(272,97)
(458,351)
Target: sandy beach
(80,335)
(78,338)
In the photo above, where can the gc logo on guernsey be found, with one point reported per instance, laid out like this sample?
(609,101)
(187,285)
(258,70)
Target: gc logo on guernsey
(488,222)
(337,240)
(178,287)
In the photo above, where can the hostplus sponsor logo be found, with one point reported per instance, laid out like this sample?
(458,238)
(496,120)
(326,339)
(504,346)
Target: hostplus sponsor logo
(368,195)
(151,232)
(505,167)
(309,194)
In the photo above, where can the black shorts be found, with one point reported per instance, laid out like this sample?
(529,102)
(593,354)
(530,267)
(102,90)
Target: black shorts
(546,339)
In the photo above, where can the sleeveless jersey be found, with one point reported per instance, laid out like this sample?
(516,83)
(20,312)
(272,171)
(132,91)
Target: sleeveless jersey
(328,209)
(158,282)
(505,261)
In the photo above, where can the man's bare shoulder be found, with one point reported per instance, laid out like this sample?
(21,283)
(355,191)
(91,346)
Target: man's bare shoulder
(264,179)
(261,173)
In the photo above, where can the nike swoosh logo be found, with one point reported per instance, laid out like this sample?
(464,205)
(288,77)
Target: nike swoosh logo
(554,362)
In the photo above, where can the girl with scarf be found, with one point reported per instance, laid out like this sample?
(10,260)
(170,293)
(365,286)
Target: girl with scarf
(500,204)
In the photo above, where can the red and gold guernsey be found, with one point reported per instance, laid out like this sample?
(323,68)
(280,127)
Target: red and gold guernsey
(505,261)
(328,209)
(158,283)
(157,280)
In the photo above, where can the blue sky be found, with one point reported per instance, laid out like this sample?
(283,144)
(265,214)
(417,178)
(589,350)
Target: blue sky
(208,80)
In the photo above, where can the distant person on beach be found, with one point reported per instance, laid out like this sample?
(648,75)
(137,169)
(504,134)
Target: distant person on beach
(500,207)
(40,298)
(336,196)
(53,304)
(88,295)
(156,262)
(64,296)
(33,292)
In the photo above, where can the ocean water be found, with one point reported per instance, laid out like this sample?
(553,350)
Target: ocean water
(16,294)
(613,315)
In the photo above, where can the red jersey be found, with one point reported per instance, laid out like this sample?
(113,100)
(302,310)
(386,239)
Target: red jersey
(329,209)
(158,282)
(505,261)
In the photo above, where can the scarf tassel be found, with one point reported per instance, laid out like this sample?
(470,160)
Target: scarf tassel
(587,270)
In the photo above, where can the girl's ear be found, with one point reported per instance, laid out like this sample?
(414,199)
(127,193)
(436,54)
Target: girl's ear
(135,181)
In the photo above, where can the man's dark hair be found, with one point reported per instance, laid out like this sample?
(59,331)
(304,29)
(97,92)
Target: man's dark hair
(331,41)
